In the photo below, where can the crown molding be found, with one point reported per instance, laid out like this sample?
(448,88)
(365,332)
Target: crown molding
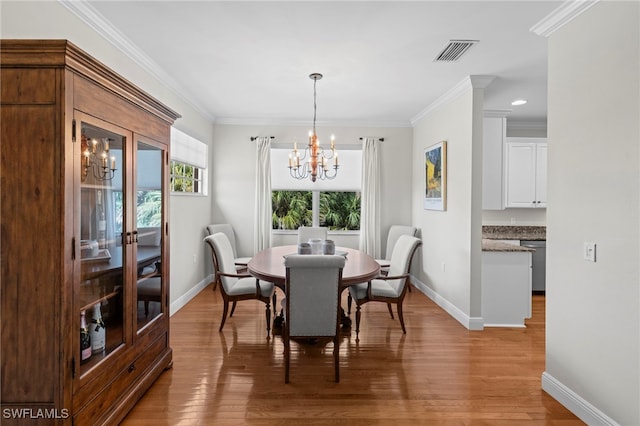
(92,18)
(470,82)
(500,113)
(277,122)
(561,16)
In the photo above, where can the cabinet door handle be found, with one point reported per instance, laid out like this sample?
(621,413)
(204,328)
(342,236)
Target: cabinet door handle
(135,236)
(128,237)
(131,368)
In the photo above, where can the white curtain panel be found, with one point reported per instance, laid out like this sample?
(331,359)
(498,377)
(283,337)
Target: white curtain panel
(370,198)
(262,237)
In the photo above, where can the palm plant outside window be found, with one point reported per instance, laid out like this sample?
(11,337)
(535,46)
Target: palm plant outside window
(338,210)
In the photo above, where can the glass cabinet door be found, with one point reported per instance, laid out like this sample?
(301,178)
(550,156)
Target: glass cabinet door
(149,219)
(101,297)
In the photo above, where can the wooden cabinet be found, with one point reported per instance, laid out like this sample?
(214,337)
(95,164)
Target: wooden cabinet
(526,172)
(494,129)
(84,230)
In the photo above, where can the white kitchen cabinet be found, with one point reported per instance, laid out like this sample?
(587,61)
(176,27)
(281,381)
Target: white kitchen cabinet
(493,135)
(525,182)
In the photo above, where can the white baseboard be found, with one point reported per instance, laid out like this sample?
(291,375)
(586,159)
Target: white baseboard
(574,402)
(471,323)
(185,298)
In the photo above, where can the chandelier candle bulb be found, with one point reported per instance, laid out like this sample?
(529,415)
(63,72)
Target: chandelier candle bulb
(113,163)
(106,145)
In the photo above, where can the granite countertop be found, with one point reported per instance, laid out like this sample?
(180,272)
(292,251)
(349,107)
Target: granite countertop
(492,245)
(501,232)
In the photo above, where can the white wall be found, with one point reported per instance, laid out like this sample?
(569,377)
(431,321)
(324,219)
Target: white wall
(233,174)
(451,252)
(188,215)
(593,309)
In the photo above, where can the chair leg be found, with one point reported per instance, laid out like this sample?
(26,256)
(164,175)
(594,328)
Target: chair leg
(357,320)
(268,314)
(390,311)
(224,314)
(401,317)
(349,301)
(336,357)
(233,309)
(286,358)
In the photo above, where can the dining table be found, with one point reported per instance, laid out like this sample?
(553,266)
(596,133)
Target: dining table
(268,265)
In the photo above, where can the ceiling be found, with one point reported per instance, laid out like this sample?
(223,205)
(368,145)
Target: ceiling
(249,62)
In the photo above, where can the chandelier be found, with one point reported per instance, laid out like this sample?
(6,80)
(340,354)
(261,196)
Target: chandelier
(314,162)
(96,157)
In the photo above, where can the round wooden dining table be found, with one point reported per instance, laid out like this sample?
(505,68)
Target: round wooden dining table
(268,265)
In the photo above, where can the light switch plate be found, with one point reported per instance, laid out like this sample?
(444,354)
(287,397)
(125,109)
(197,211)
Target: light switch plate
(590,252)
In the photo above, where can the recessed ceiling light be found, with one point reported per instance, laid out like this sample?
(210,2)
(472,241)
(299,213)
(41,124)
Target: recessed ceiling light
(518,102)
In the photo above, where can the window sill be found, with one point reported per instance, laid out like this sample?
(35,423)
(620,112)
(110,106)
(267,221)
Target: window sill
(295,232)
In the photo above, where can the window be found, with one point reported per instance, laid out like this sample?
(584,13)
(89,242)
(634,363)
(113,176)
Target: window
(334,204)
(337,210)
(185,178)
(188,171)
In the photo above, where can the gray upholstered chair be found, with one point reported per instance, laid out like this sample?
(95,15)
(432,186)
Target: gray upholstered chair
(391,288)
(227,229)
(235,287)
(395,231)
(305,233)
(312,304)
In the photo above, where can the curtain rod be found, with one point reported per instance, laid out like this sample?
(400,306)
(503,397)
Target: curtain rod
(380,139)
(253,138)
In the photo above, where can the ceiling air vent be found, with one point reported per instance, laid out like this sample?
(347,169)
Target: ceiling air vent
(454,50)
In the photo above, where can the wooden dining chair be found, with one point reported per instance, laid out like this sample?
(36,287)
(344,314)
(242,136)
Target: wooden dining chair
(227,229)
(305,233)
(235,286)
(312,303)
(395,231)
(390,288)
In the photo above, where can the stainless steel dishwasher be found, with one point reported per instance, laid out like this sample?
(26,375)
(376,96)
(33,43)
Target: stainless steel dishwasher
(538,262)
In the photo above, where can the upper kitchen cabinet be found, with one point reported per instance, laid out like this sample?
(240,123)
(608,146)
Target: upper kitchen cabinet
(493,138)
(526,173)
(85,241)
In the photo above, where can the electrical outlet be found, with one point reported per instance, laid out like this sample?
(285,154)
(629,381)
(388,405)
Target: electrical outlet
(443,267)
(590,252)
(513,220)
(195,259)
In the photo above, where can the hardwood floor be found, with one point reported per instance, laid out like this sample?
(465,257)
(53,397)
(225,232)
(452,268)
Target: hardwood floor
(439,373)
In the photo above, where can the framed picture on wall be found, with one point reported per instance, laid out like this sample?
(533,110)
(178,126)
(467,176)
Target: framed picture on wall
(435,166)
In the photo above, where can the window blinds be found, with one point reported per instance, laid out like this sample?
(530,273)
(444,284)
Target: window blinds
(187,149)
